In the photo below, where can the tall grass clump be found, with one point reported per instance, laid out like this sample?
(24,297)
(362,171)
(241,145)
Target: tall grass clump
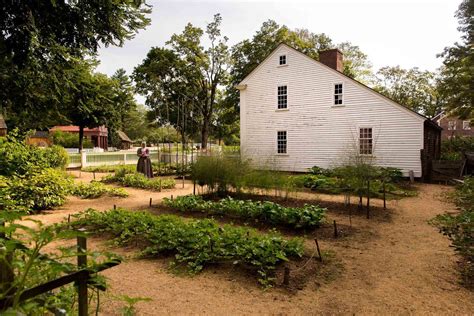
(221,174)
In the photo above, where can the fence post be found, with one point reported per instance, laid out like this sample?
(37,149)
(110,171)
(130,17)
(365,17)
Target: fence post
(82,283)
(124,158)
(83,159)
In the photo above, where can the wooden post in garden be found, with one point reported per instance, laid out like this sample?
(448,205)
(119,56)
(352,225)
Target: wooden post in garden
(115,207)
(82,283)
(335,229)
(151,200)
(412,176)
(286,276)
(368,198)
(317,248)
(384,199)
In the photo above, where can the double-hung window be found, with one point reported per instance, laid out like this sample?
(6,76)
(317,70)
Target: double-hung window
(282,60)
(466,125)
(365,141)
(282,97)
(451,125)
(282,142)
(338,93)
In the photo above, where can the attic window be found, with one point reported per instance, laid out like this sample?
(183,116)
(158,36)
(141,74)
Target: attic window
(466,125)
(282,60)
(338,94)
(451,125)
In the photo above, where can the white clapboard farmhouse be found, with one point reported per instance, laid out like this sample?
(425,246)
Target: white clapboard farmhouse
(296,112)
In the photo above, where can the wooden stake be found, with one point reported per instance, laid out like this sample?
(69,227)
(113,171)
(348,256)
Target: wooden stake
(115,207)
(171,197)
(317,247)
(151,201)
(384,199)
(368,199)
(93,174)
(82,283)
(335,229)
(286,276)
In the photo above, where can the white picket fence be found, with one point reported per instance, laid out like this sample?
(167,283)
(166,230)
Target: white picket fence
(87,159)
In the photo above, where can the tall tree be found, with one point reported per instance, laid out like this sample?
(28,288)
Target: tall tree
(181,82)
(91,100)
(42,41)
(413,88)
(125,105)
(457,73)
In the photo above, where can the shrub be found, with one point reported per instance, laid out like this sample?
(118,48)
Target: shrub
(454,148)
(39,189)
(195,243)
(308,216)
(18,158)
(95,190)
(459,228)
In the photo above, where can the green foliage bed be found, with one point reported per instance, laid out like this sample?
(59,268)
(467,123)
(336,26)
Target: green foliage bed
(96,190)
(162,169)
(308,216)
(196,243)
(134,179)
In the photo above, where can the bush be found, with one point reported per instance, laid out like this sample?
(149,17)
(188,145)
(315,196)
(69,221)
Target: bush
(459,228)
(18,158)
(454,148)
(39,189)
(195,243)
(95,190)
(308,216)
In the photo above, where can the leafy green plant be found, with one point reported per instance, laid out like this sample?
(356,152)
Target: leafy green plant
(134,179)
(454,148)
(459,228)
(308,216)
(39,189)
(194,243)
(129,309)
(23,255)
(95,190)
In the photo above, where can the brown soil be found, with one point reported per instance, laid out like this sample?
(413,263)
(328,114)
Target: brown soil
(393,263)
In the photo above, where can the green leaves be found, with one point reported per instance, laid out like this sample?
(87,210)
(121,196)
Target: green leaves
(308,216)
(130,178)
(194,243)
(95,190)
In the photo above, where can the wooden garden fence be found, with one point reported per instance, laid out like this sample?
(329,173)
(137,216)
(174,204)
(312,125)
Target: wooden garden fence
(81,278)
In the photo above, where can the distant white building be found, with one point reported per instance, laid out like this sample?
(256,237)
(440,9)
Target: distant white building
(296,112)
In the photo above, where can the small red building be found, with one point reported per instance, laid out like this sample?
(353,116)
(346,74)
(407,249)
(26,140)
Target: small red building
(97,135)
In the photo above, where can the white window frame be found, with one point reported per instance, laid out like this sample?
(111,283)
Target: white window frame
(466,125)
(286,143)
(371,138)
(333,94)
(277,97)
(453,126)
(286,60)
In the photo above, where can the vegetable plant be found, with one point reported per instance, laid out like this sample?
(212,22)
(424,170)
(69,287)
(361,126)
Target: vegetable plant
(95,190)
(308,216)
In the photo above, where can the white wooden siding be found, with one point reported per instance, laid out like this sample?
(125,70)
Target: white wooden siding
(319,133)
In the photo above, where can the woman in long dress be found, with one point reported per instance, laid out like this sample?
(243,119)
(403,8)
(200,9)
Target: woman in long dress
(144,162)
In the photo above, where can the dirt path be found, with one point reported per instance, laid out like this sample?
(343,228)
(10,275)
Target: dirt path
(394,264)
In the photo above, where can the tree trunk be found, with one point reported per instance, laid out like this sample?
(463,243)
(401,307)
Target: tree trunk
(204,134)
(81,137)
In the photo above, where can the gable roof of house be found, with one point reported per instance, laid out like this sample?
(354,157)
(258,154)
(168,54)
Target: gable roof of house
(124,137)
(3,125)
(343,75)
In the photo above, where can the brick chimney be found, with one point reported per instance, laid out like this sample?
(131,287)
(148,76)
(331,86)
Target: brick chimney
(332,58)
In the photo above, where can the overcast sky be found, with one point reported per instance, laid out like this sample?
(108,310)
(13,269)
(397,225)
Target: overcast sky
(408,33)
